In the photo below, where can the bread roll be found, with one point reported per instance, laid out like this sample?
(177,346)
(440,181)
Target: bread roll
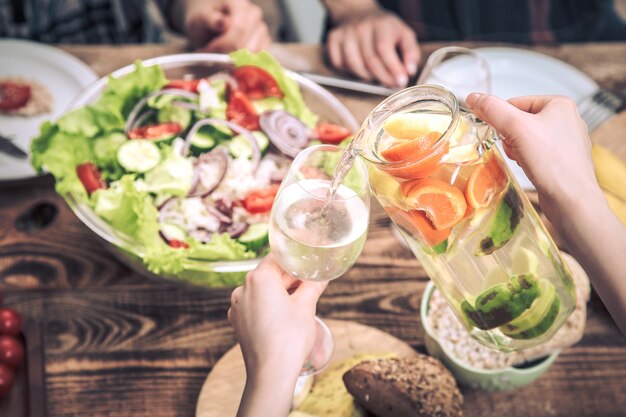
(408,387)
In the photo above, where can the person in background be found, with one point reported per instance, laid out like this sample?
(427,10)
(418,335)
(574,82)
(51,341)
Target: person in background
(378,40)
(209,25)
(548,139)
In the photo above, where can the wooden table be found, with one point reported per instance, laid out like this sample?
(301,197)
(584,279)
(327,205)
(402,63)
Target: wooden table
(118,344)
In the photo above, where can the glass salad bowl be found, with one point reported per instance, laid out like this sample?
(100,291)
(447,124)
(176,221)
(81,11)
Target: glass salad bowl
(198,271)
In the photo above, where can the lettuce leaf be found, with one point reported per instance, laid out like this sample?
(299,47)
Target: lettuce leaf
(63,145)
(129,210)
(294,103)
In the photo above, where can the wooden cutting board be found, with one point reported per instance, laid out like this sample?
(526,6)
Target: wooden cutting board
(223,387)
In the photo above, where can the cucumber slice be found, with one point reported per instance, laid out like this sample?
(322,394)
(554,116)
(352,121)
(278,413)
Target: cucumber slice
(138,155)
(256,237)
(203,141)
(173,232)
(239,146)
(175,114)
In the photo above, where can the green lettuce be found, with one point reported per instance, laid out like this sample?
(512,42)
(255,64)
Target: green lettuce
(63,145)
(129,210)
(294,103)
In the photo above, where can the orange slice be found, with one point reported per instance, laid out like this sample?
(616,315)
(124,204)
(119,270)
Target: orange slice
(412,149)
(443,203)
(485,182)
(415,223)
(415,157)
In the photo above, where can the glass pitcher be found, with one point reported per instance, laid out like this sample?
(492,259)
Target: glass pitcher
(435,171)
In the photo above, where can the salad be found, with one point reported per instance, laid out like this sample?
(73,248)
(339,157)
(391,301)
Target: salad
(186,168)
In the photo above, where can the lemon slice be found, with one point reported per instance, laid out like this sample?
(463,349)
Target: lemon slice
(461,154)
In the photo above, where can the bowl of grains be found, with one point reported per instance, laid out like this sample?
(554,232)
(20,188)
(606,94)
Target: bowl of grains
(478,366)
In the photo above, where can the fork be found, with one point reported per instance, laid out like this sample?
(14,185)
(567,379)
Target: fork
(598,107)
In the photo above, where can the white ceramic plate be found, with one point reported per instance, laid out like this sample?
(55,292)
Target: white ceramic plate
(519,72)
(62,74)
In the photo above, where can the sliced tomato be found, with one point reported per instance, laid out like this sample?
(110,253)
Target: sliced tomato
(89,174)
(13,95)
(331,133)
(256,83)
(187,85)
(158,131)
(177,244)
(261,201)
(241,111)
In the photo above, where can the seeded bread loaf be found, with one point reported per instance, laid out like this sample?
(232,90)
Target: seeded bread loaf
(411,387)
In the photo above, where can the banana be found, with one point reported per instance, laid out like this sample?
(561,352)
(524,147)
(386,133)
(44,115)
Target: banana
(617,205)
(610,171)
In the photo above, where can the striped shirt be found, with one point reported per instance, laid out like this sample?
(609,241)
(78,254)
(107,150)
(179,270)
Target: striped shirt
(84,21)
(521,21)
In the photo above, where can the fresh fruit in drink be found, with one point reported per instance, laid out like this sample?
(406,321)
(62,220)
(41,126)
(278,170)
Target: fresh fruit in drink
(10,322)
(7,377)
(11,351)
(503,224)
(443,203)
(485,183)
(415,223)
(387,188)
(414,158)
(539,317)
(502,303)
(524,261)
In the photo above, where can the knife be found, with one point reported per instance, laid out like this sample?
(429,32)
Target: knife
(343,83)
(8,147)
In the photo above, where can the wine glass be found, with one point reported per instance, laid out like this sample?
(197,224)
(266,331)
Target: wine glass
(316,234)
(460,70)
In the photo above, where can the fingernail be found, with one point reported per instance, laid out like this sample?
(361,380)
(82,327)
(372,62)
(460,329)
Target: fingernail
(401,80)
(411,68)
(471,99)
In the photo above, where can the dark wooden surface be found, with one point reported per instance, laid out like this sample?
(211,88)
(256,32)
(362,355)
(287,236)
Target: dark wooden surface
(118,344)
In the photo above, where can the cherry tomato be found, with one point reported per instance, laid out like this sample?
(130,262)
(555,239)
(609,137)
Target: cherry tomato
(330,133)
(89,174)
(7,377)
(11,351)
(187,85)
(260,201)
(10,322)
(13,95)
(241,111)
(158,131)
(256,83)
(177,244)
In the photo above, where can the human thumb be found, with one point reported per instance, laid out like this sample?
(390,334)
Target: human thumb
(503,116)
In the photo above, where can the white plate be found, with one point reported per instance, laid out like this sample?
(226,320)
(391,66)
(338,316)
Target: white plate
(62,74)
(518,72)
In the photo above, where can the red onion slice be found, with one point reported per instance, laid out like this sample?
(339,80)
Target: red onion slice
(187,105)
(209,171)
(285,131)
(139,121)
(230,80)
(202,235)
(221,216)
(237,229)
(256,153)
(134,113)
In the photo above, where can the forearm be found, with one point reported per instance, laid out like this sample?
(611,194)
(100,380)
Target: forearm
(339,10)
(268,393)
(597,239)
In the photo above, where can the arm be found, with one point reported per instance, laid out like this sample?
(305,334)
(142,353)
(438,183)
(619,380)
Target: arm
(548,139)
(220,25)
(276,331)
(370,42)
